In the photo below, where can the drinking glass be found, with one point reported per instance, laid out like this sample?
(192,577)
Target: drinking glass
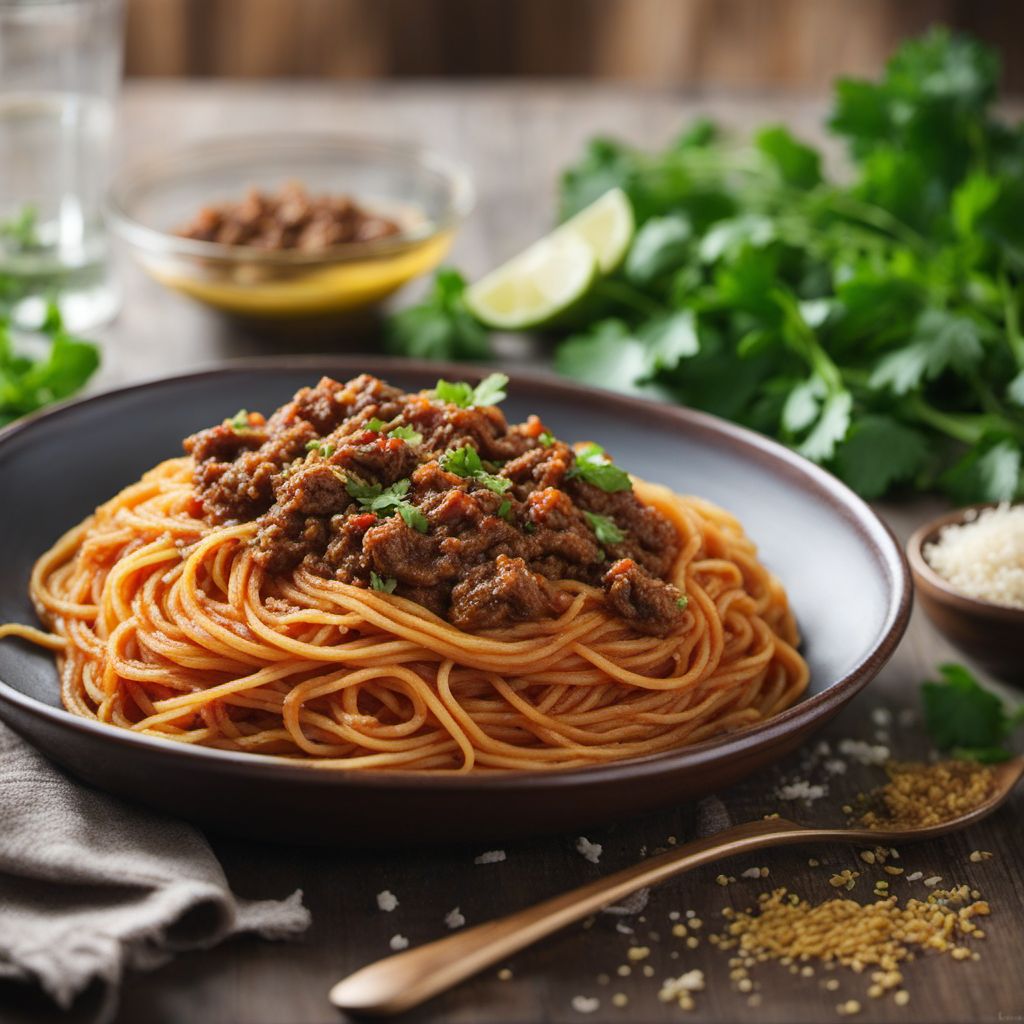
(60,70)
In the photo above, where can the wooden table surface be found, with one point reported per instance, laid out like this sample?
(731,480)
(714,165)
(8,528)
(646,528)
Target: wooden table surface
(515,139)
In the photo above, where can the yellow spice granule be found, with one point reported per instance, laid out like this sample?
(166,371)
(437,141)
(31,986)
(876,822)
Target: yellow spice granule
(919,794)
(880,935)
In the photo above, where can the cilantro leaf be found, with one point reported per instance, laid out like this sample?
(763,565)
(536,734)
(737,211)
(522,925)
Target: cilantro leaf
(990,471)
(385,586)
(604,528)
(593,466)
(406,433)
(465,462)
(505,510)
(325,449)
(682,602)
(27,383)
(833,423)
(490,391)
(386,501)
(658,248)
(546,438)
(439,327)
(941,341)
(796,163)
(963,716)
(878,452)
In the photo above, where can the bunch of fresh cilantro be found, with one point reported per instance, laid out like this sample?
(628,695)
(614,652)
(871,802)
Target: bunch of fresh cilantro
(873,323)
(28,382)
(967,720)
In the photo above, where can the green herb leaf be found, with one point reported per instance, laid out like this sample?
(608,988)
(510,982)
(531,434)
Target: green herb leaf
(406,433)
(878,452)
(376,425)
(439,327)
(660,246)
(962,715)
(682,602)
(324,449)
(546,438)
(385,586)
(505,510)
(490,391)
(604,529)
(593,466)
(386,501)
(465,462)
(240,421)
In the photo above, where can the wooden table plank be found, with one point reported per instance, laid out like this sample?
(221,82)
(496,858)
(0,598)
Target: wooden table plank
(515,139)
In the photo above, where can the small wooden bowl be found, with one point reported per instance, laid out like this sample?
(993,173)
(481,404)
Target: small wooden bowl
(991,635)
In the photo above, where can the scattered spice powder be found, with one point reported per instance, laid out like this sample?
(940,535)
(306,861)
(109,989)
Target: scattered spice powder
(919,794)
(882,935)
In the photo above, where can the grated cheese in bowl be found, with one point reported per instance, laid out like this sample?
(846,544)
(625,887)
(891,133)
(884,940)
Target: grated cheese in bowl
(983,557)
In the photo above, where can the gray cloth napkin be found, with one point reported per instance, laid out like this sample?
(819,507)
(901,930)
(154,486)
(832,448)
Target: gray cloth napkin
(90,886)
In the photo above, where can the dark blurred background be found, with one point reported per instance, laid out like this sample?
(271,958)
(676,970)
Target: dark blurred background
(778,44)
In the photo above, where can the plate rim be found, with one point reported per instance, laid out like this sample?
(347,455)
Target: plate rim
(815,709)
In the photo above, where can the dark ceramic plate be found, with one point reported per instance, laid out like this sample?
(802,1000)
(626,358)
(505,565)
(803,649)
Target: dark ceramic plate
(845,575)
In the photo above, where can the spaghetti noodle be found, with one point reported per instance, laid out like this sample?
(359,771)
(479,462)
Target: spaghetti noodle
(169,625)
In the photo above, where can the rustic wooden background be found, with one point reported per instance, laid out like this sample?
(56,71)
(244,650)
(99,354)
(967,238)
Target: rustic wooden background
(785,44)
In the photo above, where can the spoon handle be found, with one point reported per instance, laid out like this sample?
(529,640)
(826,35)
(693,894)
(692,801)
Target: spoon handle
(399,982)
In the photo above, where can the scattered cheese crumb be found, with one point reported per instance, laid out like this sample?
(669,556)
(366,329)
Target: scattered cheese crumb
(801,790)
(454,918)
(933,881)
(979,855)
(620,999)
(639,953)
(915,875)
(865,753)
(983,557)
(881,717)
(585,1004)
(622,928)
(490,857)
(751,873)
(505,974)
(591,851)
(672,988)
(398,942)
(386,901)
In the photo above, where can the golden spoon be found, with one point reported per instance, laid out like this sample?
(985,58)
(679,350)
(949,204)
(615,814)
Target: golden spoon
(407,979)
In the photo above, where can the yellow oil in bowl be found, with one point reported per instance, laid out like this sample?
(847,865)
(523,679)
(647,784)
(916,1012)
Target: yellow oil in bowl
(275,290)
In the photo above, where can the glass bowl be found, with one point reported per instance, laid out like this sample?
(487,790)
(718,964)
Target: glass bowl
(425,193)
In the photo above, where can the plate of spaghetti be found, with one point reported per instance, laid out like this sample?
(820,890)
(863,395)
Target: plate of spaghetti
(339,601)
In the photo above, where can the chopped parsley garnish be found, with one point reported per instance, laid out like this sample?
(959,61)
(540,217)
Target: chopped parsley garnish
(386,500)
(465,462)
(963,717)
(240,421)
(604,528)
(546,438)
(385,586)
(325,449)
(490,391)
(596,468)
(505,510)
(402,432)
(682,602)
(407,434)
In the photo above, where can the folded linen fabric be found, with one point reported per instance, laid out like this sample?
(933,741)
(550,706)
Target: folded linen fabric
(90,886)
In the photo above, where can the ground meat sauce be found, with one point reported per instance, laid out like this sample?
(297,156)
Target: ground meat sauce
(289,219)
(333,487)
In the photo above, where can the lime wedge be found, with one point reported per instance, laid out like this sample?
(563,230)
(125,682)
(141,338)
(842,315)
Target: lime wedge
(547,282)
(537,287)
(607,226)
